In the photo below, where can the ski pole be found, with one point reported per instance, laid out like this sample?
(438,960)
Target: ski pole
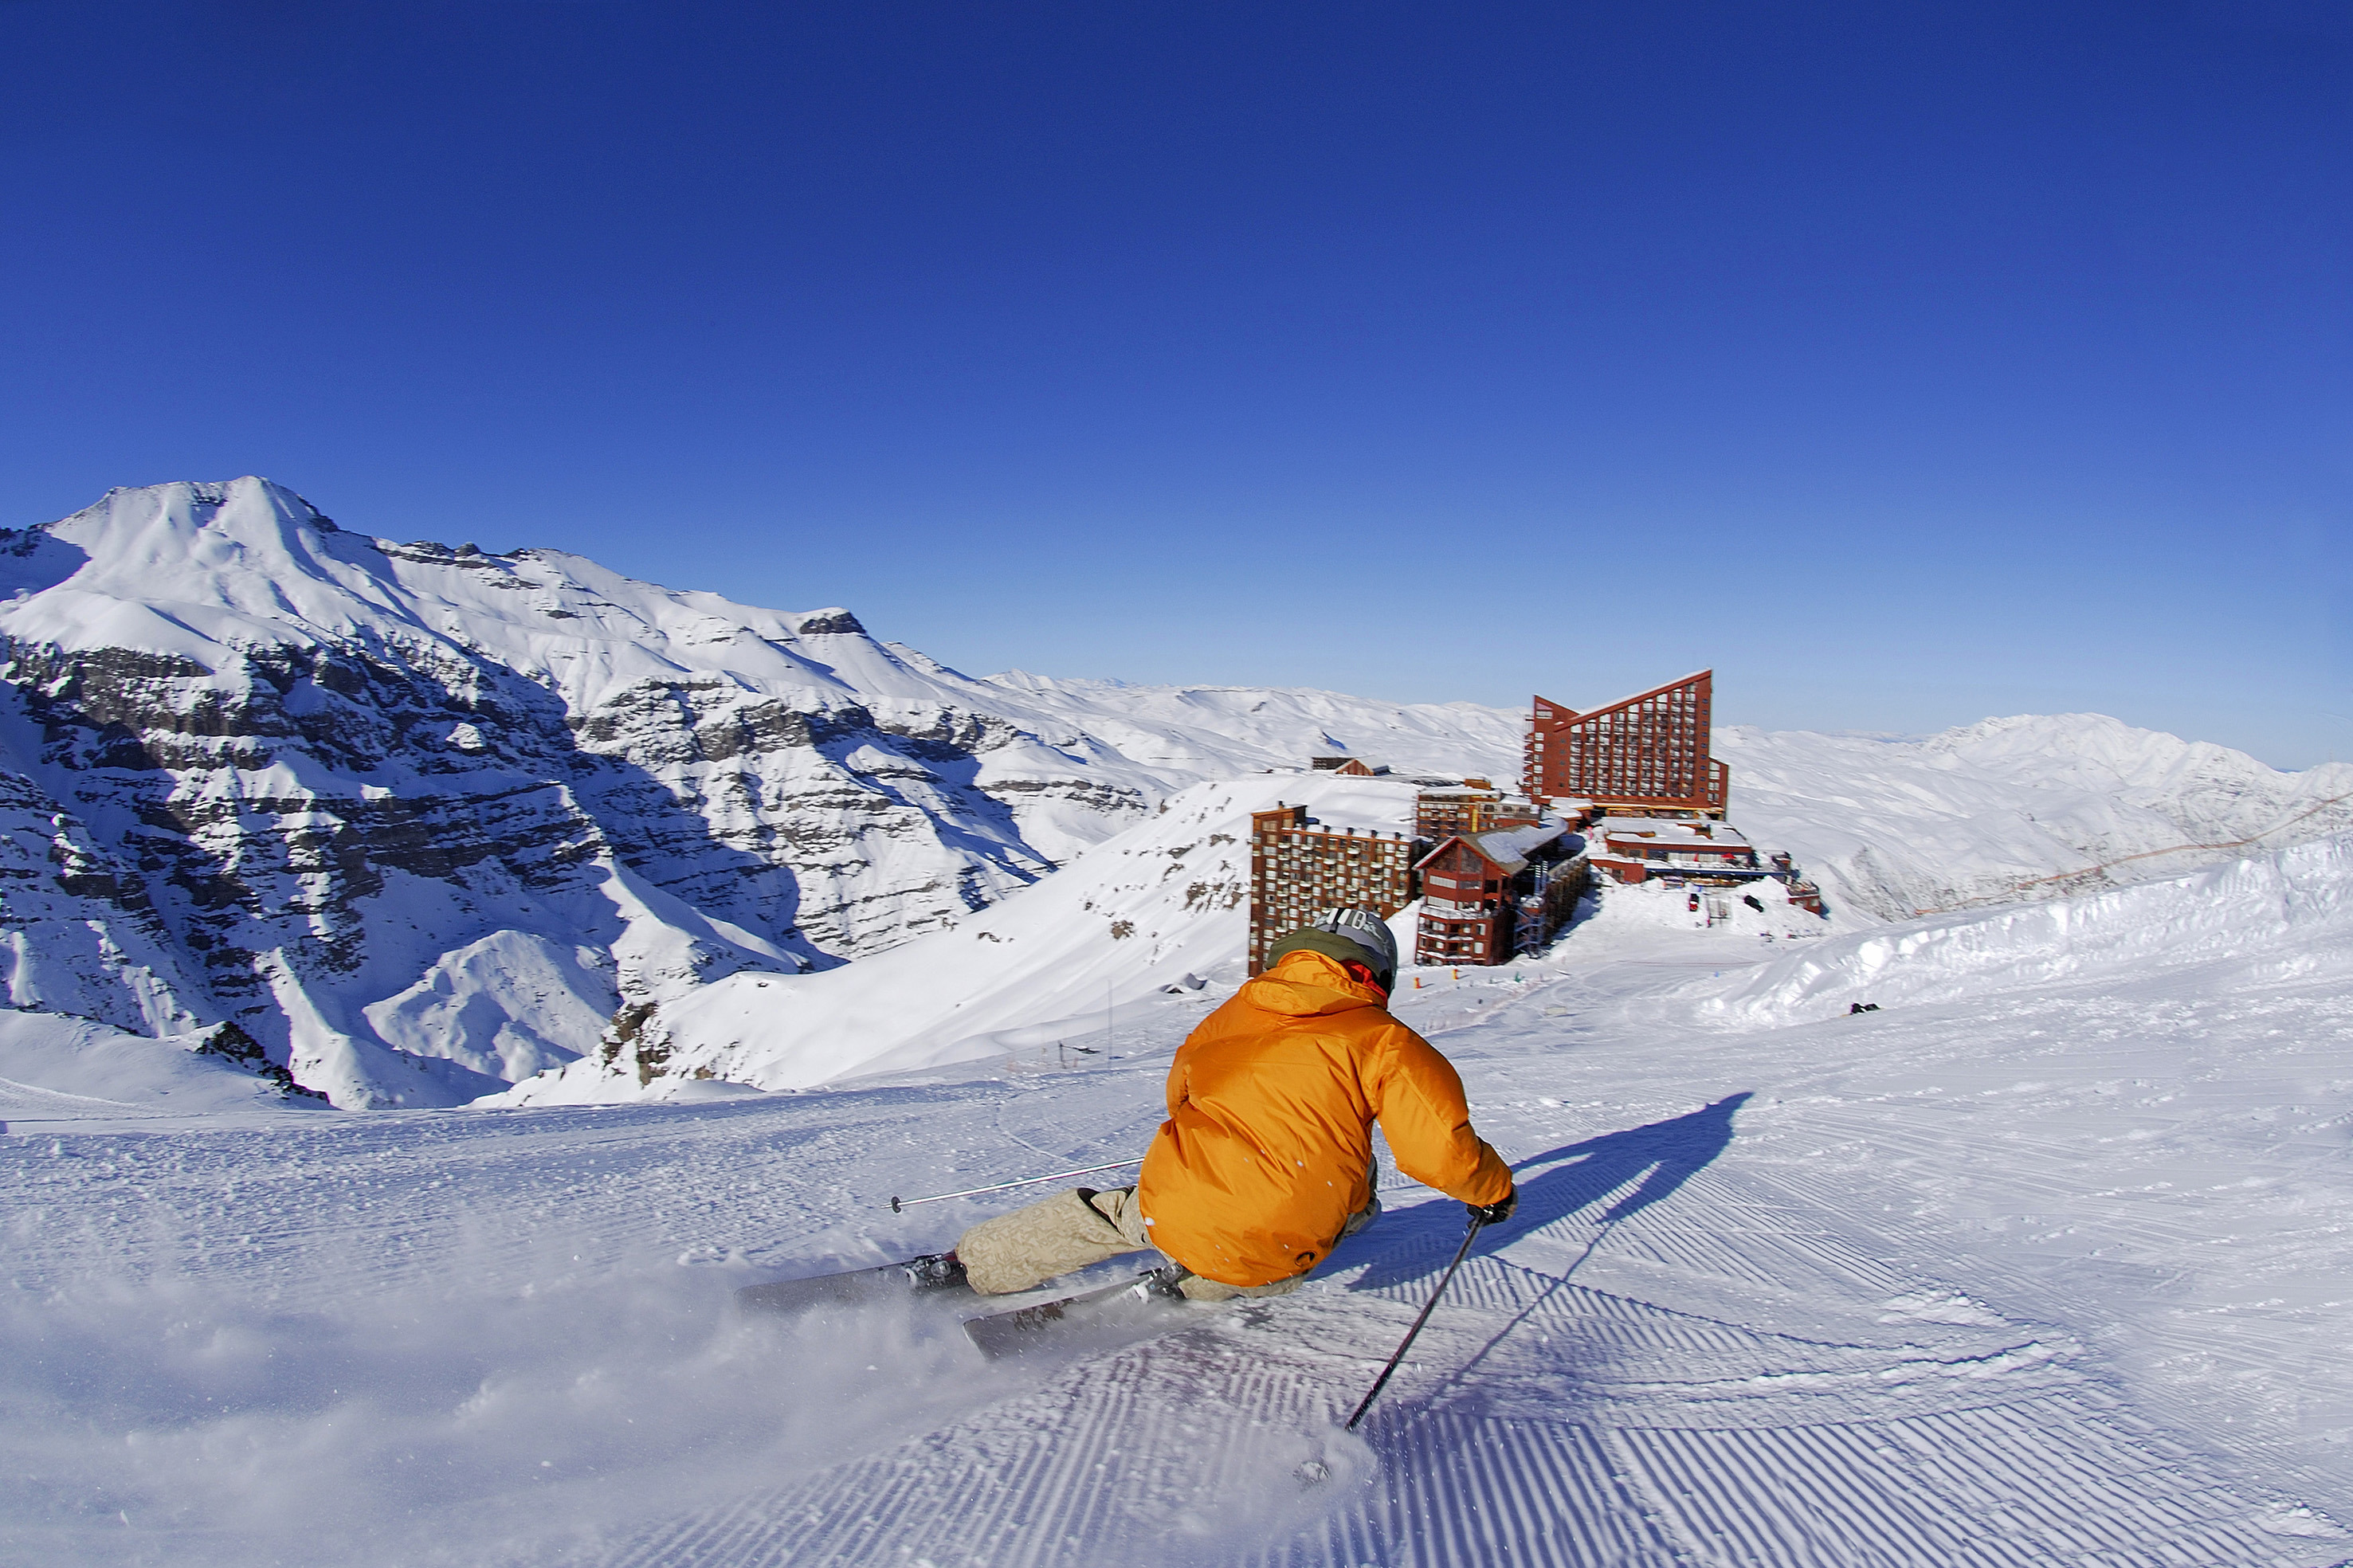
(898,1203)
(1407,1343)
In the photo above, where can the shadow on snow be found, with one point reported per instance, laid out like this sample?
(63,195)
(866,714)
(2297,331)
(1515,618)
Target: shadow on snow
(1644,1166)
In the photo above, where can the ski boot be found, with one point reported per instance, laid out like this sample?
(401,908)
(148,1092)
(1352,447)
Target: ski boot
(935,1271)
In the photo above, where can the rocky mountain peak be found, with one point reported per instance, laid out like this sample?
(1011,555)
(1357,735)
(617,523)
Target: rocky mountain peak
(419,819)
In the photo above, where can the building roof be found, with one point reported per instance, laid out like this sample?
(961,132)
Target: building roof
(1669,831)
(1505,847)
(1664,686)
(1345,819)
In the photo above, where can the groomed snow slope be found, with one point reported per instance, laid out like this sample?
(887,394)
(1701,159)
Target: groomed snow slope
(2030,1274)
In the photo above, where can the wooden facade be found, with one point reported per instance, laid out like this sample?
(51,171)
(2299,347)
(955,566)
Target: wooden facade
(1644,755)
(1488,897)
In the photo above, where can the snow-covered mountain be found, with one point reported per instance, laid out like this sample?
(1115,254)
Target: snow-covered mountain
(2022,808)
(427,821)
(1160,909)
(423,819)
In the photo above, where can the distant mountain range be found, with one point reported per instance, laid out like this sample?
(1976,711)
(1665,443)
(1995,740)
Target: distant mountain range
(425,820)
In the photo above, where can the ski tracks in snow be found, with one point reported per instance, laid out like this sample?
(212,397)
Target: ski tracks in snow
(1923,1297)
(1714,1368)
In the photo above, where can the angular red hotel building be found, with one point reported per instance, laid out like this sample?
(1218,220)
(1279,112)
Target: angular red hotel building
(1644,756)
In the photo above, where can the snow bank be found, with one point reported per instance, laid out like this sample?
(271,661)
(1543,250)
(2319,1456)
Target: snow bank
(2292,907)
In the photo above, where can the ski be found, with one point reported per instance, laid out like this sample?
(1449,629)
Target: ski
(883,1282)
(1148,1302)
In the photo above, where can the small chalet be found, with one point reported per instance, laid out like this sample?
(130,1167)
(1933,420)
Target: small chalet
(1636,849)
(1352,767)
(1487,896)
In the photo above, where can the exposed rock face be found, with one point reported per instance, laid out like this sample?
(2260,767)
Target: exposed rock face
(77,932)
(423,820)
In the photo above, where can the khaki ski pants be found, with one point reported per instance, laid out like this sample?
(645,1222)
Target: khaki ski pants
(1070,1230)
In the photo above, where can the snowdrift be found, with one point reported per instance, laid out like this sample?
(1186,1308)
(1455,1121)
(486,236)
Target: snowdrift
(2291,910)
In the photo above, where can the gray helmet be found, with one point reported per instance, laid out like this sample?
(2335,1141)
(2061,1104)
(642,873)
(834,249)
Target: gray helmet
(1351,936)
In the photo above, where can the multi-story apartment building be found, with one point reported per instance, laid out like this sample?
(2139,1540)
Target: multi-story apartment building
(1299,865)
(1643,756)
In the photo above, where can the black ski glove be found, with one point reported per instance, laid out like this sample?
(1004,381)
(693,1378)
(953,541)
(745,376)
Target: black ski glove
(1495,1212)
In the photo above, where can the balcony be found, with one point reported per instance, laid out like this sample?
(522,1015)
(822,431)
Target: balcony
(1451,912)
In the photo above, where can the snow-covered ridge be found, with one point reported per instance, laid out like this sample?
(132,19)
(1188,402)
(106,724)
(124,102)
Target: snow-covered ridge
(427,820)
(2028,808)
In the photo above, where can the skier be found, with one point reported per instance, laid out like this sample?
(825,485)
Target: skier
(1266,1159)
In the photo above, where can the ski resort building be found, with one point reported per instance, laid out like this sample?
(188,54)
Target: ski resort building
(1486,897)
(1636,849)
(1474,806)
(1298,866)
(1643,756)
(1351,767)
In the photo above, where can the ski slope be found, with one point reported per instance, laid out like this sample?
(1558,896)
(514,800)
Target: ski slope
(2043,1261)
(1161,906)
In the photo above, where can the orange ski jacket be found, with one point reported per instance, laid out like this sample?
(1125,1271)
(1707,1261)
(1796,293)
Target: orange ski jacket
(1272,1102)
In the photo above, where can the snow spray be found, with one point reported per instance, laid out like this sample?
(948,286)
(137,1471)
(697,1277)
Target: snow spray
(1316,1470)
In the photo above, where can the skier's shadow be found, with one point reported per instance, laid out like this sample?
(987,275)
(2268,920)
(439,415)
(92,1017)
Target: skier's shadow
(1654,1160)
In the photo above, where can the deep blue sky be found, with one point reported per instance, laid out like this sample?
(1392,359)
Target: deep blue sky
(1907,363)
